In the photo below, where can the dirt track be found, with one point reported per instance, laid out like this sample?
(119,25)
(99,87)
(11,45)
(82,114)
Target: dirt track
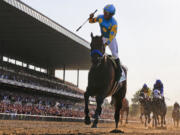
(78,128)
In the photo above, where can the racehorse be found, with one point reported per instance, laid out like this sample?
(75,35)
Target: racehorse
(159,108)
(125,108)
(146,108)
(176,114)
(101,80)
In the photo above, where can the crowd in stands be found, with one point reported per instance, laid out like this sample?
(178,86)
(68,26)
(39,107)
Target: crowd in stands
(23,103)
(28,103)
(37,80)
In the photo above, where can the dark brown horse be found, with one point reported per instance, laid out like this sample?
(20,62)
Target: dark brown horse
(176,114)
(125,108)
(145,108)
(159,108)
(101,80)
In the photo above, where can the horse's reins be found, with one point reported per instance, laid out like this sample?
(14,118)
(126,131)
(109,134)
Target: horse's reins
(96,51)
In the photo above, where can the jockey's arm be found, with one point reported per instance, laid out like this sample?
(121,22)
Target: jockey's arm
(112,34)
(93,20)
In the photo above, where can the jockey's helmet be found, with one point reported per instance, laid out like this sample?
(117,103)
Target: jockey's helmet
(145,86)
(110,8)
(158,81)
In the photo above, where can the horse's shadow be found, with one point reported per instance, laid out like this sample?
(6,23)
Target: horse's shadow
(117,131)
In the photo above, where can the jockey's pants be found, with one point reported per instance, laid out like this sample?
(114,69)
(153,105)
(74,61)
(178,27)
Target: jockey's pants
(113,46)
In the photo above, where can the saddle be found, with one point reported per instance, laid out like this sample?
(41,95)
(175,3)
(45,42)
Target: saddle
(123,76)
(113,60)
(117,84)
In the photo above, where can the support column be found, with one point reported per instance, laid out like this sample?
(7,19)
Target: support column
(51,72)
(78,78)
(1,51)
(64,75)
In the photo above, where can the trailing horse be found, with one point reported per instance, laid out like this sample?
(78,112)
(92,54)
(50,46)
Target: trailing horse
(176,114)
(125,108)
(159,108)
(146,108)
(101,82)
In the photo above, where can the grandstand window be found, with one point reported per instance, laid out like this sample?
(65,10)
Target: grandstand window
(12,61)
(37,69)
(24,65)
(19,63)
(5,58)
(31,67)
(43,70)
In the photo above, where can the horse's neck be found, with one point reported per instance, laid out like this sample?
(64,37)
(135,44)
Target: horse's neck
(101,66)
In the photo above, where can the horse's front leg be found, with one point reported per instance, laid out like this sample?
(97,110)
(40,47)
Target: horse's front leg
(141,118)
(127,113)
(87,120)
(158,120)
(145,123)
(155,120)
(177,123)
(118,106)
(99,101)
(162,120)
(121,116)
(149,118)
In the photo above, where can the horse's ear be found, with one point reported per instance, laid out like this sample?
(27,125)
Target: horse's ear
(91,35)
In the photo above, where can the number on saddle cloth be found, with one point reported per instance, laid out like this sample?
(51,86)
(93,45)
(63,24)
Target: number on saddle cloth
(156,93)
(123,76)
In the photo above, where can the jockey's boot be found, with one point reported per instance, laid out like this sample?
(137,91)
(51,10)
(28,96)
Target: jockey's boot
(118,70)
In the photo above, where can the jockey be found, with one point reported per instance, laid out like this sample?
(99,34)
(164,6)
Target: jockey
(108,26)
(146,91)
(159,85)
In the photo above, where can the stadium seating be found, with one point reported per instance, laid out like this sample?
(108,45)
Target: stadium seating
(26,103)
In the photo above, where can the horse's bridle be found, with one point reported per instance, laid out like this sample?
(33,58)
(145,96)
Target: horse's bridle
(100,58)
(96,51)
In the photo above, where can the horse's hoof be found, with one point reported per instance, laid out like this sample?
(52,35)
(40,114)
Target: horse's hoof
(87,120)
(94,126)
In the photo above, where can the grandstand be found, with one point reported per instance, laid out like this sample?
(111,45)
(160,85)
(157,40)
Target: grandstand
(32,47)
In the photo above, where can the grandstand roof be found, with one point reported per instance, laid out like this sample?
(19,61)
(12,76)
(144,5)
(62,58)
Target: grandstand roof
(27,35)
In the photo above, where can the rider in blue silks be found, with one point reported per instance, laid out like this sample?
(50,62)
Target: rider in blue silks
(108,26)
(159,86)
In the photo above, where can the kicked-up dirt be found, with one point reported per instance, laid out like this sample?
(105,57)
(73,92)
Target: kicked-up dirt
(79,128)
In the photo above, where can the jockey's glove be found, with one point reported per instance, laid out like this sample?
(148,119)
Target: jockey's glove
(91,15)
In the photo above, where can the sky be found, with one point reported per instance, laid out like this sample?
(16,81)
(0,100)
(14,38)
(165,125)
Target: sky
(148,38)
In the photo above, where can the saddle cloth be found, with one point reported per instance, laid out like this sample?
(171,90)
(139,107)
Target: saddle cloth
(123,76)
(118,84)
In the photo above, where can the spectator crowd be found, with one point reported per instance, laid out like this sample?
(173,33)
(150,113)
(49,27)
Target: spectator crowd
(38,80)
(13,101)
(23,103)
